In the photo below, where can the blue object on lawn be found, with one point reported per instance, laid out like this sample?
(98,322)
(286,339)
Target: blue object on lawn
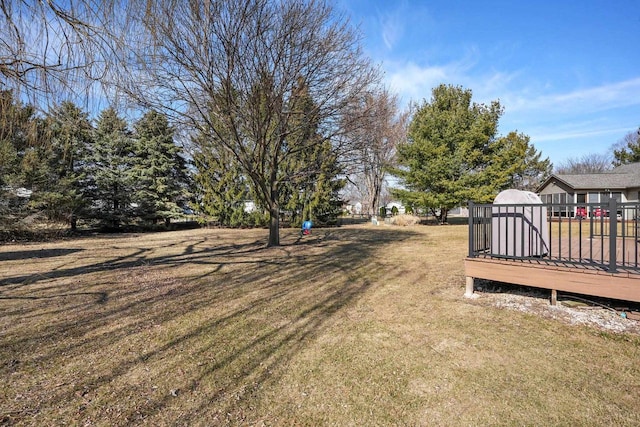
(306,227)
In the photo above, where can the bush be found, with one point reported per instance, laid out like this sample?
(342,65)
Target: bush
(405,220)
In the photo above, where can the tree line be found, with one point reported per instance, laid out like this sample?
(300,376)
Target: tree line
(65,167)
(264,88)
(276,99)
(107,172)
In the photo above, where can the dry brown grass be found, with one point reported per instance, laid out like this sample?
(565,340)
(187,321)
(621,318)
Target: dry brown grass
(359,325)
(405,220)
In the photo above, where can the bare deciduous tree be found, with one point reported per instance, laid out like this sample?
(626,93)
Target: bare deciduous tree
(381,126)
(588,163)
(51,50)
(232,70)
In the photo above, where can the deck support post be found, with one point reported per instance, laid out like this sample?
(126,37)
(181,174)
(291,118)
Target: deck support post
(554,297)
(469,289)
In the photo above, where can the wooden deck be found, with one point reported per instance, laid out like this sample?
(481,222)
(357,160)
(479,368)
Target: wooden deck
(622,285)
(596,249)
(577,265)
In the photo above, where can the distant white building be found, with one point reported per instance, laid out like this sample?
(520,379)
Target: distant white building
(398,205)
(353,209)
(460,211)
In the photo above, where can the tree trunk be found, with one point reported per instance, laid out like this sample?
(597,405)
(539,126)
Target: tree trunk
(444,214)
(440,214)
(274,225)
(374,199)
(274,216)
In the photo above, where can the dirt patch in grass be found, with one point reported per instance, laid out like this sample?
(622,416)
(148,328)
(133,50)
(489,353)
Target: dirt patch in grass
(351,326)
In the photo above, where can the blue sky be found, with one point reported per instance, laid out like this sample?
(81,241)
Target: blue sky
(566,72)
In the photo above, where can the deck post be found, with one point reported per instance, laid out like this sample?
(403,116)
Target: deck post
(469,290)
(554,297)
(613,234)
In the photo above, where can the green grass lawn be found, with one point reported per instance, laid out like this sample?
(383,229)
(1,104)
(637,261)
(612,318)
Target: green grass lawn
(352,326)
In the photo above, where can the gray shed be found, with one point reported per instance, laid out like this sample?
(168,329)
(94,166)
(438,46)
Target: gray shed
(519,225)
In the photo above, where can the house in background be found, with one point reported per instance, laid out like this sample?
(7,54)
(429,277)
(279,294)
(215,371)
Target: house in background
(621,183)
(398,205)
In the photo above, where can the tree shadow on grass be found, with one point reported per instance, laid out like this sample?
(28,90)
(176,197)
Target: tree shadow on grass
(182,349)
(140,257)
(37,254)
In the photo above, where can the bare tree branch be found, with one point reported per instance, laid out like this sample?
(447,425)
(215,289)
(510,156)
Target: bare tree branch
(231,69)
(378,128)
(588,163)
(52,50)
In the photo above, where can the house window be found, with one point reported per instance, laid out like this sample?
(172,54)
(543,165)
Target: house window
(582,198)
(564,199)
(593,198)
(555,198)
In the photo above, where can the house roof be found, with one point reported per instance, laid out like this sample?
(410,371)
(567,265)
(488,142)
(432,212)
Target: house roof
(619,178)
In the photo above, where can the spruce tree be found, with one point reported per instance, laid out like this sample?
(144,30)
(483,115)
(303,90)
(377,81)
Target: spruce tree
(326,204)
(112,160)
(159,170)
(70,134)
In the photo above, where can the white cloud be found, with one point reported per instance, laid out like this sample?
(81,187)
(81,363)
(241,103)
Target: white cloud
(581,101)
(589,119)
(392,29)
(392,23)
(564,124)
(575,133)
(414,82)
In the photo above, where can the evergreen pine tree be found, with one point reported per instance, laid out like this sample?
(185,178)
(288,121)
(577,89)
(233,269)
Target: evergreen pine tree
(451,141)
(70,135)
(311,190)
(630,151)
(223,188)
(159,170)
(112,159)
(325,205)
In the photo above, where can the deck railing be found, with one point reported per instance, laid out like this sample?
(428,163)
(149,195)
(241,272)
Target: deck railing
(602,236)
